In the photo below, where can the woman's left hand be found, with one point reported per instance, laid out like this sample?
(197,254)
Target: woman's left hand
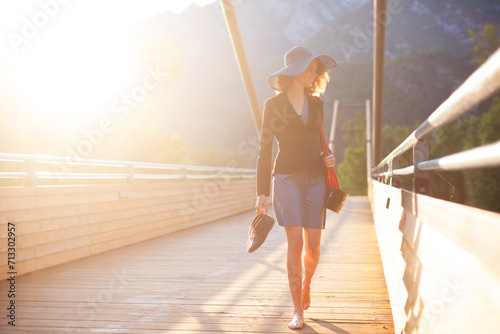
(329,160)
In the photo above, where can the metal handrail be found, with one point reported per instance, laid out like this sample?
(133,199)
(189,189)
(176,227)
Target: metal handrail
(480,157)
(481,85)
(101,162)
(399,172)
(13,175)
(32,174)
(55,175)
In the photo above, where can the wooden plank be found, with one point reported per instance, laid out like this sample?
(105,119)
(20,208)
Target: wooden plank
(114,220)
(142,232)
(28,253)
(389,240)
(48,237)
(48,260)
(35,202)
(202,280)
(176,221)
(49,219)
(80,189)
(204,187)
(117,211)
(474,230)
(30,198)
(168,198)
(44,213)
(440,261)
(156,324)
(45,225)
(17,191)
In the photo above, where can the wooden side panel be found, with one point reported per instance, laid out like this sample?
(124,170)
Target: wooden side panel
(202,280)
(441,262)
(390,240)
(59,224)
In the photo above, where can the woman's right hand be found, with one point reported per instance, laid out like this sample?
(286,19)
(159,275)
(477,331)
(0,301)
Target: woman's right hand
(261,205)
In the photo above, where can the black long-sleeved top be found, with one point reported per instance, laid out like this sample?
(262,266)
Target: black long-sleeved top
(299,145)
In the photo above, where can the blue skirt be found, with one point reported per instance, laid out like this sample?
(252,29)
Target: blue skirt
(298,199)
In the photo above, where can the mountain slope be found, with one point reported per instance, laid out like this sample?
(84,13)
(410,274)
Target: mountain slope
(211,91)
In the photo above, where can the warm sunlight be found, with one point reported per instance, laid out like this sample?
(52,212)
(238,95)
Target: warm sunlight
(67,59)
(72,75)
(237,166)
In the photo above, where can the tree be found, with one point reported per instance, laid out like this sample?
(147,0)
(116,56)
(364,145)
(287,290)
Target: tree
(485,42)
(478,188)
(352,171)
(483,186)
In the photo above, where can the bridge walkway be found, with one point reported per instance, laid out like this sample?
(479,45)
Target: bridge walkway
(202,280)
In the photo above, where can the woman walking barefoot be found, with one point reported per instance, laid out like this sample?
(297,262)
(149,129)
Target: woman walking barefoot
(298,174)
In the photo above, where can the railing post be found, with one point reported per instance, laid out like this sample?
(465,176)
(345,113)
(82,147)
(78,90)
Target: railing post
(421,183)
(131,174)
(333,129)
(369,156)
(31,173)
(383,179)
(395,178)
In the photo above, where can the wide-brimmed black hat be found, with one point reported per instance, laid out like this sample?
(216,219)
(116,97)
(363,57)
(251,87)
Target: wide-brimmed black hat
(296,62)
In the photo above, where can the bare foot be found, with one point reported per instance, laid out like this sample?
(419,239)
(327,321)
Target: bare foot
(297,321)
(306,295)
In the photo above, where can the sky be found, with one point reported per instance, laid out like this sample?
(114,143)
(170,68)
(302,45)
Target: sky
(16,17)
(53,50)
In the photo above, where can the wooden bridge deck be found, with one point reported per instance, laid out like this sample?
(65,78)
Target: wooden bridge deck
(202,280)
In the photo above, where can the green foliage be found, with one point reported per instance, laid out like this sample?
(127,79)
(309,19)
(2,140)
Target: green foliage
(393,136)
(448,140)
(490,123)
(485,42)
(173,149)
(352,171)
(478,188)
(483,186)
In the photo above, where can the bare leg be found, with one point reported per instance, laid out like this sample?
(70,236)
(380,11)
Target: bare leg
(312,238)
(294,270)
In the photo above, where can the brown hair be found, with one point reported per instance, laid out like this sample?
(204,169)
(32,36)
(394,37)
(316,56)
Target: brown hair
(284,82)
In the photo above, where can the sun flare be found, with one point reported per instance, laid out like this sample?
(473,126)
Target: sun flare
(73,72)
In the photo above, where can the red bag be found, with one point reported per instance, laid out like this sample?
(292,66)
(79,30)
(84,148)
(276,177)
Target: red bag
(331,177)
(336,197)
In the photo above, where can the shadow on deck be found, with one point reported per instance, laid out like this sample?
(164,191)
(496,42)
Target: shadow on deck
(203,280)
